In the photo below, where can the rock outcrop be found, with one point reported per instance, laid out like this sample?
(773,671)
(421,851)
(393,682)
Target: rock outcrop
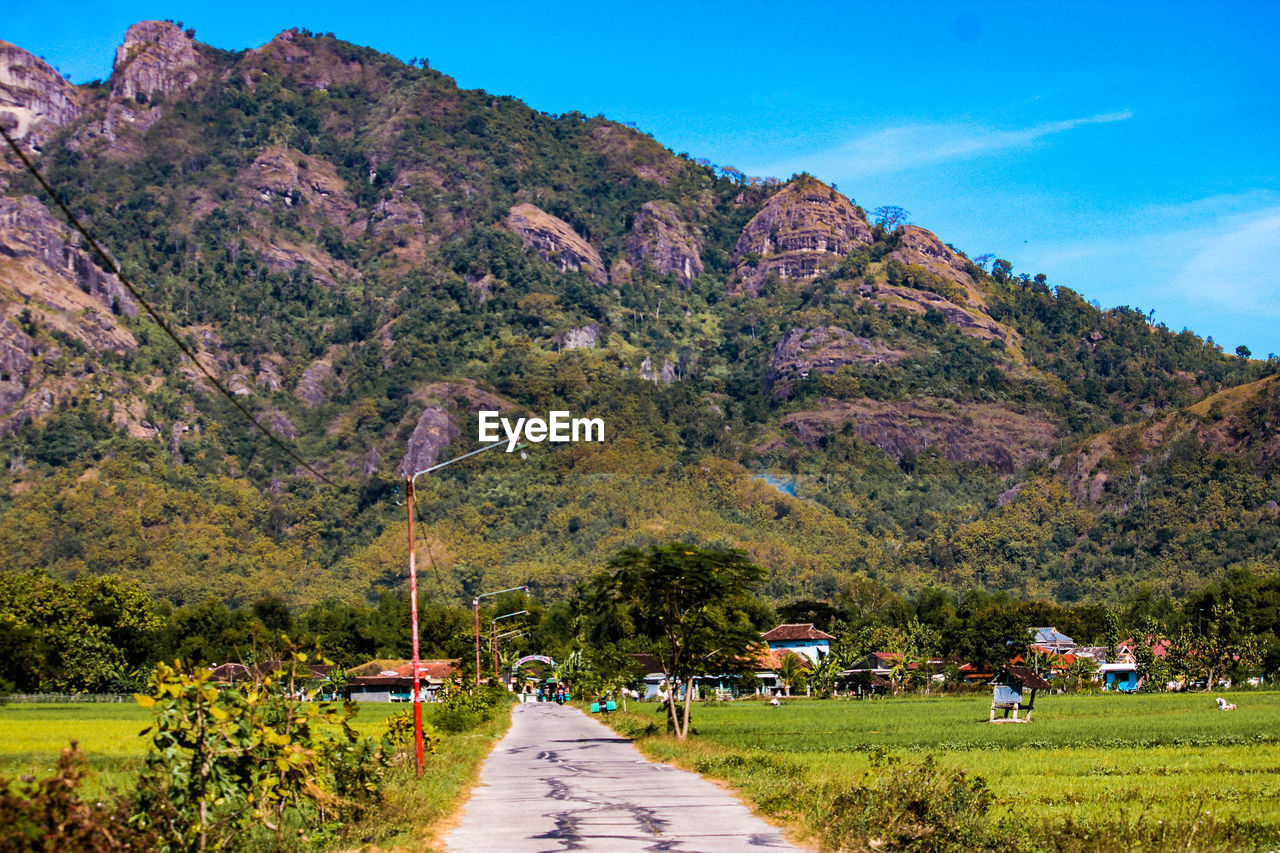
(281,177)
(312,62)
(311,386)
(661,240)
(47,269)
(801,228)
(556,242)
(922,248)
(35,100)
(433,433)
(581,337)
(824,350)
(156,57)
(970,321)
(48,284)
(666,375)
(16,362)
(988,435)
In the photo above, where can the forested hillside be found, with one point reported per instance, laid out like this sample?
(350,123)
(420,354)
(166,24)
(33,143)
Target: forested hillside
(367,255)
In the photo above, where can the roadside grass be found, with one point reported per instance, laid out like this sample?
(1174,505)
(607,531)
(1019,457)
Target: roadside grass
(32,736)
(1149,772)
(414,812)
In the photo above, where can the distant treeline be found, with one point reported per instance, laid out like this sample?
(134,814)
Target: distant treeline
(105,634)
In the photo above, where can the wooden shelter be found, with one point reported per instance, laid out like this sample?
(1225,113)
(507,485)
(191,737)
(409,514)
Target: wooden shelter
(1015,690)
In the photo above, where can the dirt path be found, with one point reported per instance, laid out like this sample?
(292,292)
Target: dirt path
(559,780)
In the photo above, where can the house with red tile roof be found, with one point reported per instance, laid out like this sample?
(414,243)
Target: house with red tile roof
(801,639)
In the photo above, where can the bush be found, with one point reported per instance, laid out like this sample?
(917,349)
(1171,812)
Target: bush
(50,815)
(232,760)
(460,710)
(397,738)
(901,806)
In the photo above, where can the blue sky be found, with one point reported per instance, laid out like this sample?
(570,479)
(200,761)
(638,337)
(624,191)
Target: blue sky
(1127,150)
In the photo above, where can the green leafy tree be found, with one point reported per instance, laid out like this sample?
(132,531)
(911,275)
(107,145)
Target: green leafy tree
(825,676)
(689,606)
(228,761)
(793,670)
(1081,671)
(1226,648)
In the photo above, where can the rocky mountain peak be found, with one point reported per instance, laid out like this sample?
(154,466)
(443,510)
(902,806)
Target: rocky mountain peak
(922,248)
(800,227)
(155,56)
(35,100)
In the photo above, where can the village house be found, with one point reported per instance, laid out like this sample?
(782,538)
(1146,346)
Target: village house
(392,680)
(801,639)
(1052,640)
(305,675)
(873,673)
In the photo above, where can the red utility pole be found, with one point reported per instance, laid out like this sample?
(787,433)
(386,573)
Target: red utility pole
(413,595)
(475,602)
(413,620)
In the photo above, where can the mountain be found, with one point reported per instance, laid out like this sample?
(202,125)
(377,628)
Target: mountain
(367,256)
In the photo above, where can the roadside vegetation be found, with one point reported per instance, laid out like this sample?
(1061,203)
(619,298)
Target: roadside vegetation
(249,767)
(1158,772)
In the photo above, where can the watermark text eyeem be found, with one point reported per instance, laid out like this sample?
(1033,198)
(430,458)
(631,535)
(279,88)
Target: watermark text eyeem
(558,427)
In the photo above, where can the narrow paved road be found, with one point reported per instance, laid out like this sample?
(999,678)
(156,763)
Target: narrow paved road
(560,780)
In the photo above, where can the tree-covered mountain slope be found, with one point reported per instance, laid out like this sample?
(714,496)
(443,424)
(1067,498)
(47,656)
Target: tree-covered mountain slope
(367,256)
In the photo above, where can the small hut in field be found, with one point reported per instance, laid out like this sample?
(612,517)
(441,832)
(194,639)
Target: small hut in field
(1015,690)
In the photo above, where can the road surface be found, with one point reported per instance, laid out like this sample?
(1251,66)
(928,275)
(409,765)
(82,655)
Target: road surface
(559,780)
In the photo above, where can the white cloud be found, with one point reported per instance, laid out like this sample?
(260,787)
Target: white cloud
(1212,264)
(1238,267)
(917,145)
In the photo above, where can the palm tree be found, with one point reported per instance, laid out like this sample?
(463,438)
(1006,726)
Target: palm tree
(791,668)
(1082,669)
(828,670)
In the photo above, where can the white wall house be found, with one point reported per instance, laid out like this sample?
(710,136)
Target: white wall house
(801,639)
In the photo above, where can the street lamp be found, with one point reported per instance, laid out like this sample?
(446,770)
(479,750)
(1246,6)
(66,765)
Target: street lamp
(413,593)
(519,632)
(493,642)
(475,602)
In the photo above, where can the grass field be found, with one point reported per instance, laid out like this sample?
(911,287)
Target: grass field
(1123,765)
(32,735)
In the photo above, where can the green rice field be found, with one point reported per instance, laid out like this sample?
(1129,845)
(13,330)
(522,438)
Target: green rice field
(32,735)
(1127,763)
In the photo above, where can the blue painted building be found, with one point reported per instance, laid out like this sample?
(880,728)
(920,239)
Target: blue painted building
(801,639)
(1121,676)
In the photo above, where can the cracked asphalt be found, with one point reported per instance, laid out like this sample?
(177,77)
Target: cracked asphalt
(559,780)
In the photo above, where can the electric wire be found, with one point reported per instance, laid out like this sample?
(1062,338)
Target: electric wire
(112,267)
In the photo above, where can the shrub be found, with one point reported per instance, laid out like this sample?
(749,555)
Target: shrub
(900,806)
(397,738)
(226,761)
(49,814)
(460,710)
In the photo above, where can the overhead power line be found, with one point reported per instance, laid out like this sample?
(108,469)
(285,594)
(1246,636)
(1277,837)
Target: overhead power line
(111,266)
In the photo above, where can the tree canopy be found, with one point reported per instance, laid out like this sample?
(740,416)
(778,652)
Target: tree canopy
(691,606)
